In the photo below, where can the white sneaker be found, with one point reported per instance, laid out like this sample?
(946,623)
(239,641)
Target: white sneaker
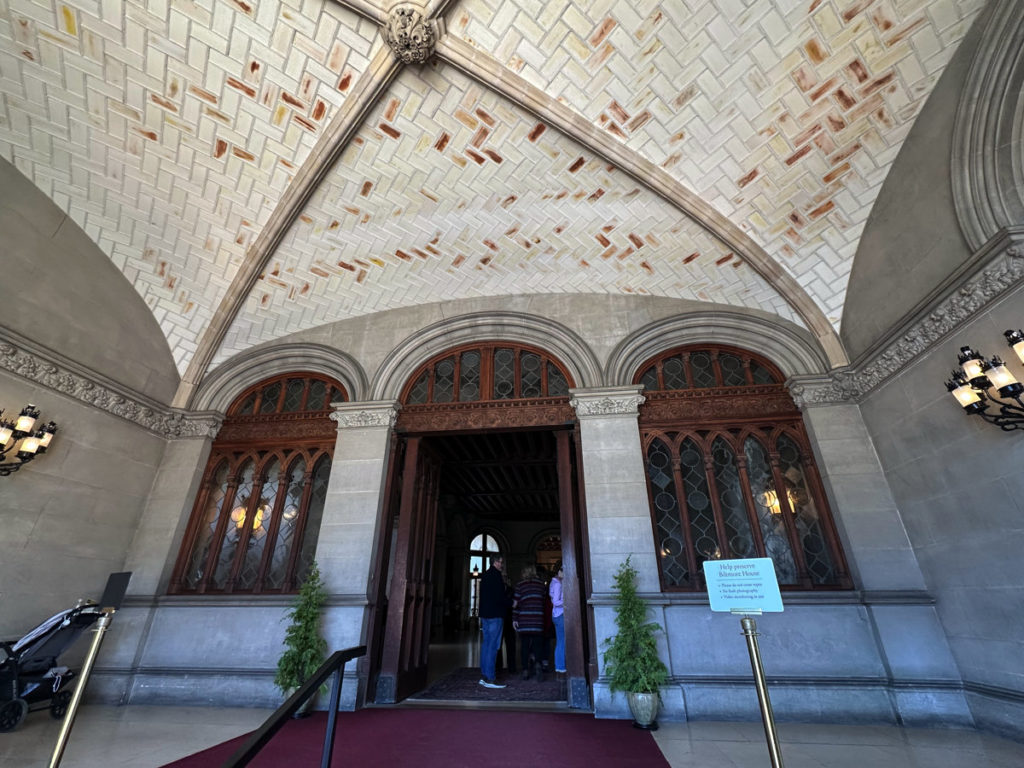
(490,684)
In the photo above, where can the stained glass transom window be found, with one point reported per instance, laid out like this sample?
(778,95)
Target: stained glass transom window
(483,372)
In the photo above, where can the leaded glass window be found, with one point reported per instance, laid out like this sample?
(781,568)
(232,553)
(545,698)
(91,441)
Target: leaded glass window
(488,371)
(256,520)
(729,471)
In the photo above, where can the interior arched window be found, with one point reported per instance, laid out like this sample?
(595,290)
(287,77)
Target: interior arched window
(730,472)
(482,549)
(488,371)
(256,519)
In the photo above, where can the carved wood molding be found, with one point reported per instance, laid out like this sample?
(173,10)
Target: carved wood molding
(491,414)
(278,427)
(721,404)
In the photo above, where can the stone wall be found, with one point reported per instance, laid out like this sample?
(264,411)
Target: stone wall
(70,515)
(957,482)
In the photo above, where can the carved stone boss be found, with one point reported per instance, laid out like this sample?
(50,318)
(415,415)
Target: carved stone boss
(411,36)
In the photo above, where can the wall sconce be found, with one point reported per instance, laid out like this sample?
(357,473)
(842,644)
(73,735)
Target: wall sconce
(972,385)
(21,437)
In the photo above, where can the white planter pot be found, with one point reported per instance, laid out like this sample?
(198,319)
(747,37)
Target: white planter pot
(644,707)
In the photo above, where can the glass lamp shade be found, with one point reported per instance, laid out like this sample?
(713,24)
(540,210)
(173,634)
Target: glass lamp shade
(971,362)
(998,375)
(5,433)
(26,421)
(1016,342)
(29,445)
(966,395)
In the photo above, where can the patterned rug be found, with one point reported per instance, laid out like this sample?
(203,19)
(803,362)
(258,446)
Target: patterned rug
(464,685)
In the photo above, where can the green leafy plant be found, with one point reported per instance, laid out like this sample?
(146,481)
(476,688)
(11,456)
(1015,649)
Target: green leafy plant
(305,648)
(631,659)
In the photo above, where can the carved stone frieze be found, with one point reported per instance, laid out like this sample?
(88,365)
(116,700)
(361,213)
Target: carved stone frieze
(409,34)
(166,422)
(618,401)
(844,385)
(358,415)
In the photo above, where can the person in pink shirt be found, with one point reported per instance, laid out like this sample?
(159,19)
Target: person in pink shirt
(558,618)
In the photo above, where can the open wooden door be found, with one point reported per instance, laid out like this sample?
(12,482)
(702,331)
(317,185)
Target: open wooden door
(407,630)
(575,574)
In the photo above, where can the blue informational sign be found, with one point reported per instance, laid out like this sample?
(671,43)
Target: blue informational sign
(743,586)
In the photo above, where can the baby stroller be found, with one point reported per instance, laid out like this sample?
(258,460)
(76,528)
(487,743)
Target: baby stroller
(30,677)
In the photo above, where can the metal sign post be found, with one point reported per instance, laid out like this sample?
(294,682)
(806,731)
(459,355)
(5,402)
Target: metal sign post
(113,596)
(748,588)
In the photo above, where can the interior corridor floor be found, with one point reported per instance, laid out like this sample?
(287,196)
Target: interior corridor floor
(150,736)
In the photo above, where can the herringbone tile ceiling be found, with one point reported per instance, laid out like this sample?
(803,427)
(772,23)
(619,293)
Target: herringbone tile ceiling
(178,135)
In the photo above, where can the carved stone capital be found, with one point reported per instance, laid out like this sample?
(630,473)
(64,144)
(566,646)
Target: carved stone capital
(607,401)
(381,413)
(839,386)
(71,380)
(409,34)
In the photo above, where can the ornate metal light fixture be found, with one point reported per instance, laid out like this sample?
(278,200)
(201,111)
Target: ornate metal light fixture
(21,437)
(974,383)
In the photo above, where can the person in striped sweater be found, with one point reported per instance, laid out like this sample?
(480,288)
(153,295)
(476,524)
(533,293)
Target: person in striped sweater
(528,621)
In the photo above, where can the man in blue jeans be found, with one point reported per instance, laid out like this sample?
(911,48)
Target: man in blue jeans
(493,601)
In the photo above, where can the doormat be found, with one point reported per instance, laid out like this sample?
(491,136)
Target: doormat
(447,738)
(464,685)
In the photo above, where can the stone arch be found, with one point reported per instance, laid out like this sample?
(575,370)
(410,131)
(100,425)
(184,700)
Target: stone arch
(988,138)
(577,357)
(227,381)
(790,350)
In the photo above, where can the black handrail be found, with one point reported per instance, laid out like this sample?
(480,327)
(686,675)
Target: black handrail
(259,738)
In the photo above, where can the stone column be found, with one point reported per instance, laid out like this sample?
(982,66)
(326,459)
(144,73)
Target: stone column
(911,642)
(618,519)
(349,528)
(877,547)
(618,510)
(154,550)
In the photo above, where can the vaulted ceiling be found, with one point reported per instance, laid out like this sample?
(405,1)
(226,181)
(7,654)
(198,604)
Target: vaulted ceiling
(260,167)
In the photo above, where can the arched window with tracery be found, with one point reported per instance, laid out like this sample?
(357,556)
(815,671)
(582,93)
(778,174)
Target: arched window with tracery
(488,371)
(256,520)
(730,471)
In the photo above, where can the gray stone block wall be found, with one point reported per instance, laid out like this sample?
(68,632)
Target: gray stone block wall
(69,517)
(957,482)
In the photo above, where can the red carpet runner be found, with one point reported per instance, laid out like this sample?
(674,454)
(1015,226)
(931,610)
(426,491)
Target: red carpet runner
(433,738)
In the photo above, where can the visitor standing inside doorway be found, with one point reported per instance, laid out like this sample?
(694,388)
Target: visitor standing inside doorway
(558,618)
(493,601)
(528,620)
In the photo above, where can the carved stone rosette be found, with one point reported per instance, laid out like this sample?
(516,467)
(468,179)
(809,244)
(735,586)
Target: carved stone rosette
(409,35)
(169,423)
(607,401)
(381,413)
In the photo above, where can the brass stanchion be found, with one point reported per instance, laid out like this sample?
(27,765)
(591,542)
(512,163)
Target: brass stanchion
(767,717)
(102,624)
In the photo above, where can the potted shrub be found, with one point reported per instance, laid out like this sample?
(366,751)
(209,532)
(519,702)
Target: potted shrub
(305,648)
(631,659)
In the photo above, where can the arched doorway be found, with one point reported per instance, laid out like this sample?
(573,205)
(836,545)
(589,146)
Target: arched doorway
(485,429)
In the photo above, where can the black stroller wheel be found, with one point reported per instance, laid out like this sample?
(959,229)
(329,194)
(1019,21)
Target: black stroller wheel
(12,713)
(59,707)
